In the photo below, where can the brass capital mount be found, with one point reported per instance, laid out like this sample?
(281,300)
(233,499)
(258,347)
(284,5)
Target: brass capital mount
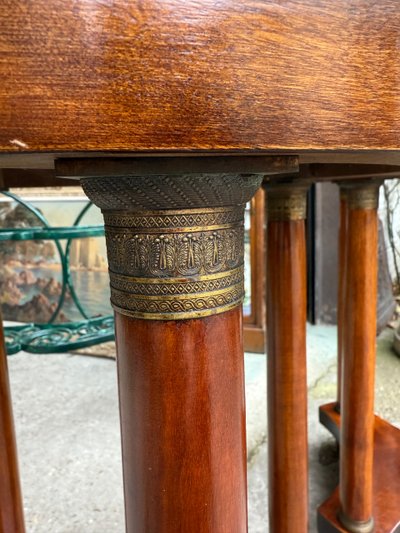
(175,244)
(361,194)
(174,226)
(286,201)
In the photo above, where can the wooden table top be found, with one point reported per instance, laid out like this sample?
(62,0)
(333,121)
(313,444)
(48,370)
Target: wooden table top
(316,78)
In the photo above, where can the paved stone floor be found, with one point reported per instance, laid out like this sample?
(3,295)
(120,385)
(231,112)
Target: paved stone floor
(68,434)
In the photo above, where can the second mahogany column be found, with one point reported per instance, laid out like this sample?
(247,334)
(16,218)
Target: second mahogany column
(286,352)
(358,362)
(175,251)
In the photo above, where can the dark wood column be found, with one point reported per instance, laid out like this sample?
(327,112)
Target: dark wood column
(183,423)
(286,352)
(11,508)
(367,499)
(357,397)
(358,252)
(175,250)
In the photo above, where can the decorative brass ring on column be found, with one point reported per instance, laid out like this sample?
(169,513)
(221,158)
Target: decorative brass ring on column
(355,526)
(175,244)
(286,201)
(361,195)
(175,264)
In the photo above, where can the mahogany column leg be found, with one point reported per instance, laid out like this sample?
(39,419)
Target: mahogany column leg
(183,423)
(11,509)
(368,498)
(286,352)
(357,436)
(177,287)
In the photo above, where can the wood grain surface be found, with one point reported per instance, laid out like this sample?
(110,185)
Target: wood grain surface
(181,389)
(358,362)
(287,385)
(182,75)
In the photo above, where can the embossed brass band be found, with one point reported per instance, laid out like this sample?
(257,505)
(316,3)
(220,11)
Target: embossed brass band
(167,220)
(362,196)
(286,203)
(175,243)
(175,264)
(178,307)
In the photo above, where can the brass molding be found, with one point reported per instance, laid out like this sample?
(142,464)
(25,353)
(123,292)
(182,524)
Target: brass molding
(178,307)
(167,220)
(159,315)
(366,197)
(286,203)
(175,244)
(355,526)
(133,193)
(164,269)
(176,286)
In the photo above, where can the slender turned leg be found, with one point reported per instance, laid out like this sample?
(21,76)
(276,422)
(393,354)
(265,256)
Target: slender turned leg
(177,287)
(357,436)
(287,383)
(341,289)
(11,510)
(368,497)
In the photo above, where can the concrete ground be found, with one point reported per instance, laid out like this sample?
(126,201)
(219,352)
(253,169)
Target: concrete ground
(66,414)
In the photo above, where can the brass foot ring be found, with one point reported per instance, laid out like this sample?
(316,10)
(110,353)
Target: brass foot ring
(355,526)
